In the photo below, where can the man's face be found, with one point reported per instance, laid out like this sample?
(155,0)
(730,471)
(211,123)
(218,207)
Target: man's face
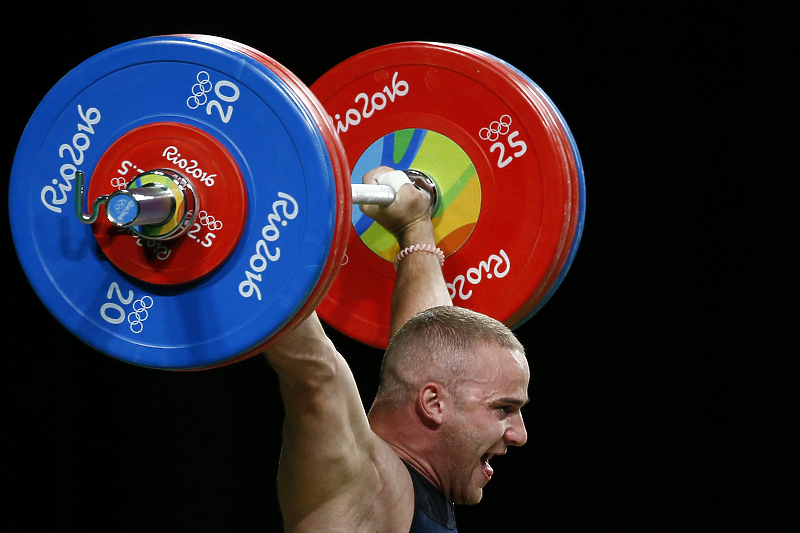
(485,421)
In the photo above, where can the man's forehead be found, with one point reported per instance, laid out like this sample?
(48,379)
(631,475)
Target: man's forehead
(505,370)
(502,356)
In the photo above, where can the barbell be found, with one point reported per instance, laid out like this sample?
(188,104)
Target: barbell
(229,209)
(165,205)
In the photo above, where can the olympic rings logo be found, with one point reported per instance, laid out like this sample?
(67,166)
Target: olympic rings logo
(122,208)
(139,314)
(496,129)
(200,90)
(207,220)
(119,182)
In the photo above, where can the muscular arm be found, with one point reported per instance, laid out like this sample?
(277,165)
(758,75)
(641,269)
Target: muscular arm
(335,473)
(419,284)
(327,443)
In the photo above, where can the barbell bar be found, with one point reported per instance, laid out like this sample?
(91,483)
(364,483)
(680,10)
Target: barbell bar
(154,204)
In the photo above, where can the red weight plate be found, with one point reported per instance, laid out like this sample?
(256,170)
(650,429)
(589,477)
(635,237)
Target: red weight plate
(515,245)
(221,197)
(535,94)
(574,219)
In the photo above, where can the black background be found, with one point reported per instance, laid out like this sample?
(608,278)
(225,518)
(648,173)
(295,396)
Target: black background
(663,383)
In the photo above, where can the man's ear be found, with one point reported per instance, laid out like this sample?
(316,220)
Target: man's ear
(431,405)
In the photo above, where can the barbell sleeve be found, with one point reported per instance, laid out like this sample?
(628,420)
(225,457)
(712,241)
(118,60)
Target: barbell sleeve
(142,206)
(372,194)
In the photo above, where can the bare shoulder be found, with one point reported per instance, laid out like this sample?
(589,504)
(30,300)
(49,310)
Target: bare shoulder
(335,473)
(396,497)
(380,498)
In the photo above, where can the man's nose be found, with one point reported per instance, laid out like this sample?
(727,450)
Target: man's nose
(515,434)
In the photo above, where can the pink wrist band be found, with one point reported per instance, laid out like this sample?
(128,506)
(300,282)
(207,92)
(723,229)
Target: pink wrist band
(419,248)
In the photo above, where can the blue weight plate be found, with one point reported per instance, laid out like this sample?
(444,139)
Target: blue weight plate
(290,184)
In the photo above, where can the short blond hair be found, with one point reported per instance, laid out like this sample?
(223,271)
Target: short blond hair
(437,345)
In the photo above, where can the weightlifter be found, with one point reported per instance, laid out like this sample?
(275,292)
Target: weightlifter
(452,385)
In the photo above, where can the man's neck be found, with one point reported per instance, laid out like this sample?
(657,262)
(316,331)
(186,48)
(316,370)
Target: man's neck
(411,443)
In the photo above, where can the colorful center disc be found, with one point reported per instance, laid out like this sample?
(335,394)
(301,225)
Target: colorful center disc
(457,183)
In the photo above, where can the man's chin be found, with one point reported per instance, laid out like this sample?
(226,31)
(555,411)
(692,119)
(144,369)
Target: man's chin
(470,499)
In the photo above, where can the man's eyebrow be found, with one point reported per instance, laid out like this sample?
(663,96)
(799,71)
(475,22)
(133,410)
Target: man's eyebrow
(512,400)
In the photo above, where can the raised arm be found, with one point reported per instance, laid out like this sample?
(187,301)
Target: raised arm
(420,284)
(334,471)
(327,442)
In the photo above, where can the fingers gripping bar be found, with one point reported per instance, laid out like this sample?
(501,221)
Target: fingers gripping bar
(389,183)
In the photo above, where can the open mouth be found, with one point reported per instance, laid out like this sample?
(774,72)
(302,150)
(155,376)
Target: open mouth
(487,469)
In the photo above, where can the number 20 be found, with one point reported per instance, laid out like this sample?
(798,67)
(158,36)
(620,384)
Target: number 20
(224,115)
(120,312)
